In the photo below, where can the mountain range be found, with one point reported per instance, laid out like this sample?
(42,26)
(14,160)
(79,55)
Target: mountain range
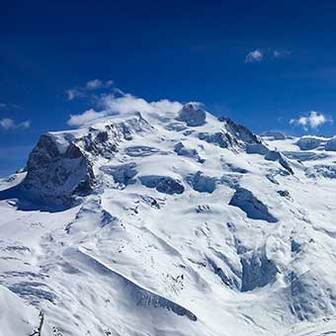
(170,224)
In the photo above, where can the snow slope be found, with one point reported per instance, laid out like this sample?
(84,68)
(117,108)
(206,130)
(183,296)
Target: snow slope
(174,224)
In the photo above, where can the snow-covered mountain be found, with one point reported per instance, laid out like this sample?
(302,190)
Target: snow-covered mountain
(170,224)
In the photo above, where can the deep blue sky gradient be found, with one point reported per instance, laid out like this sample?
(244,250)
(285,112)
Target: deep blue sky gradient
(181,50)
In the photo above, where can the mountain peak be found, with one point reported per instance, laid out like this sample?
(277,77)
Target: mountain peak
(71,164)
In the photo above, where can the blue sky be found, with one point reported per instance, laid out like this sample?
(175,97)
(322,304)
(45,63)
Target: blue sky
(266,64)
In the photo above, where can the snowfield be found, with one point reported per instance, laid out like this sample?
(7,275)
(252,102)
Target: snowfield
(170,225)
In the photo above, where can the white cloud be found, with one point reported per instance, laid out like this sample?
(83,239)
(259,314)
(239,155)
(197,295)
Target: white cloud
(254,56)
(25,124)
(313,120)
(126,104)
(91,85)
(129,103)
(94,84)
(259,55)
(7,124)
(278,54)
(73,93)
(85,117)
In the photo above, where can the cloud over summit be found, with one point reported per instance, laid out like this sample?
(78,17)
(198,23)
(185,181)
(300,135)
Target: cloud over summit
(123,104)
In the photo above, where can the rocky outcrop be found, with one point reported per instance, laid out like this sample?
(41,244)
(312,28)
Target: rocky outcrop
(181,149)
(192,114)
(235,136)
(255,209)
(163,184)
(201,182)
(274,155)
(309,142)
(61,166)
(54,175)
(257,271)
(122,174)
(331,145)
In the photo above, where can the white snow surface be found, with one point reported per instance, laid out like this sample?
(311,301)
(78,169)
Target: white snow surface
(208,240)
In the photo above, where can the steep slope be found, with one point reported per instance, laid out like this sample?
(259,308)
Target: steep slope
(171,224)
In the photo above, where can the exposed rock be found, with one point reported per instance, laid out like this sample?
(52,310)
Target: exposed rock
(273,155)
(239,131)
(257,271)
(182,150)
(122,174)
(54,176)
(327,171)
(309,142)
(137,151)
(331,144)
(256,148)
(235,136)
(201,182)
(192,114)
(284,193)
(302,156)
(163,184)
(228,280)
(255,209)
(220,139)
(60,167)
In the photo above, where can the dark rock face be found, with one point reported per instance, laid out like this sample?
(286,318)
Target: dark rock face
(327,171)
(257,271)
(235,136)
(308,143)
(239,131)
(140,151)
(163,184)
(202,183)
(180,149)
(273,155)
(255,209)
(331,145)
(256,148)
(60,167)
(228,280)
(192,114)
(122,174)
(223,140)
(53,175)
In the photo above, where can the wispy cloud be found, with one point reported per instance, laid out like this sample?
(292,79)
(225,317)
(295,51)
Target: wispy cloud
(259,55)
(311,121)
(254,56)
(91,85)
(8,124)
(9,106)
(279,54)
(123,104)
